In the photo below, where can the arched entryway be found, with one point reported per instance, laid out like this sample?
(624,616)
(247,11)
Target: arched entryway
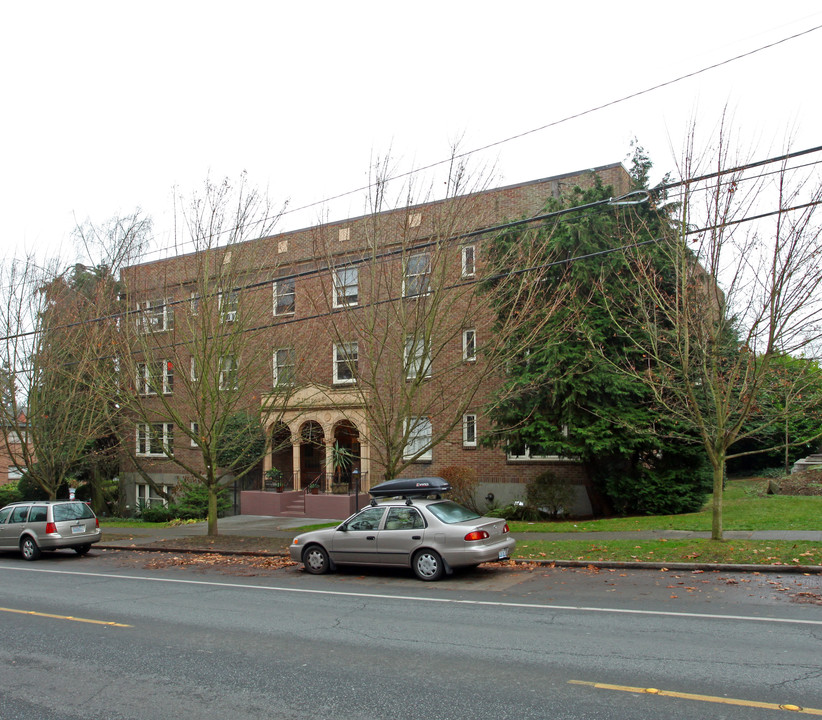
(312,455)
(345,457)
(281,453)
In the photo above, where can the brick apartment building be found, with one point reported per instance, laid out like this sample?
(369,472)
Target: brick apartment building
(347,335)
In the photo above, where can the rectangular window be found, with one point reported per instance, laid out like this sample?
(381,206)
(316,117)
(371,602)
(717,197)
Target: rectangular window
(524,453)
(229,376)
(194,302)
(346,287)
(155,376)
(284,297)
(148,496)
(284,366)
(469,345)
(155,439)
(195,433)
(417,275)
(346,357)
(193,369)
(155,315)
(468,261)
(229,303)
(469,430)
(418,431)
(417,359)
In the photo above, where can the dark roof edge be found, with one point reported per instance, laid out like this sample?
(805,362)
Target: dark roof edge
(355,218)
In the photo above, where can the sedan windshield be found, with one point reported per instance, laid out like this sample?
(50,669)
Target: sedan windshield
(449,512)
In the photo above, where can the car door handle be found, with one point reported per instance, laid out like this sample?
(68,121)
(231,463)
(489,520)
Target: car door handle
(370,537)
(416,537)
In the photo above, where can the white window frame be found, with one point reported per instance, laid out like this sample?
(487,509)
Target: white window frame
(228,303)
(145,376)
(527,456)
(418,282)
(163,432)
(418,430)
(143,491)
(343,358)
(469,261)
(343,284)
(469,345)
(229,367)
(155,315)
(469,430)
(194,427)
(194,302)
(417,361)
(284,288)
(192,370)
(280,377)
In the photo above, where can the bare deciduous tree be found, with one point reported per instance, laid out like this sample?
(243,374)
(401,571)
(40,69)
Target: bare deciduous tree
(58,329)
(195,349)
(746,254)
(409,300)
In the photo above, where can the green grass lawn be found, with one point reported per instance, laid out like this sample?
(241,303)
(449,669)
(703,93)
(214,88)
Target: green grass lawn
(746,507)
(759,552)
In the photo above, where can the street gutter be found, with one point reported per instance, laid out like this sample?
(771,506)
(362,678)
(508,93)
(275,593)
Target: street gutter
(603,564)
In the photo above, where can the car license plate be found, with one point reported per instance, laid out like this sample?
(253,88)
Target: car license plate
(75,529)
(503,554)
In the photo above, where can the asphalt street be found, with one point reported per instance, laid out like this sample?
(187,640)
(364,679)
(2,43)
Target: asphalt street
(126,635)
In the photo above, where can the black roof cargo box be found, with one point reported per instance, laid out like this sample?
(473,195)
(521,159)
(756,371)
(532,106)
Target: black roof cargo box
(410,487)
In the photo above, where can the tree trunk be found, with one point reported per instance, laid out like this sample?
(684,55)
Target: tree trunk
(212,510)
(719,481)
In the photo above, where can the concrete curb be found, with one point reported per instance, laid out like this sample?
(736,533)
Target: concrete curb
(191,551)
(604,564)
(712,567)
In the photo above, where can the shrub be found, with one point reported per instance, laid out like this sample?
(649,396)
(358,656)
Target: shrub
(9,494)
(156,512)
(464,484)
(512,511)
(675,483)
(192,501)
(30,490)
(549,495)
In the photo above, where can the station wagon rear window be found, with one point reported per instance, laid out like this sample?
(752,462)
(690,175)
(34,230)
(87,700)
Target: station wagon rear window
(72,511)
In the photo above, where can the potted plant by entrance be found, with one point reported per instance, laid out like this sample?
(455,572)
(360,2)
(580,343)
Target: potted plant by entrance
(314,487)
(274,478)
(342,459)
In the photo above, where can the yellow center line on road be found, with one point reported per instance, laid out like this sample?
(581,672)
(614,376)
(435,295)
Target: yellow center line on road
(65,617)
(702,698)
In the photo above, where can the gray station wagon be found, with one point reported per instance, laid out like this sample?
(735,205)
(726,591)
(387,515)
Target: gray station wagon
(38,525)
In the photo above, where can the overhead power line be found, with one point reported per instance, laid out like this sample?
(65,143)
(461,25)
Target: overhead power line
(635,197)
(526,133)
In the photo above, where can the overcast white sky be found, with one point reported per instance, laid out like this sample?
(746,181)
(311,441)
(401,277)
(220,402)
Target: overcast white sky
(108,105)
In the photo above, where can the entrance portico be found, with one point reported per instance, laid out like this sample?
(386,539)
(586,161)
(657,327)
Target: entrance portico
(317,424)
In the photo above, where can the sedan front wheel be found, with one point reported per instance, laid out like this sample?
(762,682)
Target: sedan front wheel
(315,560)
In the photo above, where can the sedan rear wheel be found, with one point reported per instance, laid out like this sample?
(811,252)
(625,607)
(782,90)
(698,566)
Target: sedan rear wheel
(428,565)
(82,549)
(315,560)
(29,549)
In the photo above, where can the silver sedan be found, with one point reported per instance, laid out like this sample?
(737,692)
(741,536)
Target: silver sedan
(430,536)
